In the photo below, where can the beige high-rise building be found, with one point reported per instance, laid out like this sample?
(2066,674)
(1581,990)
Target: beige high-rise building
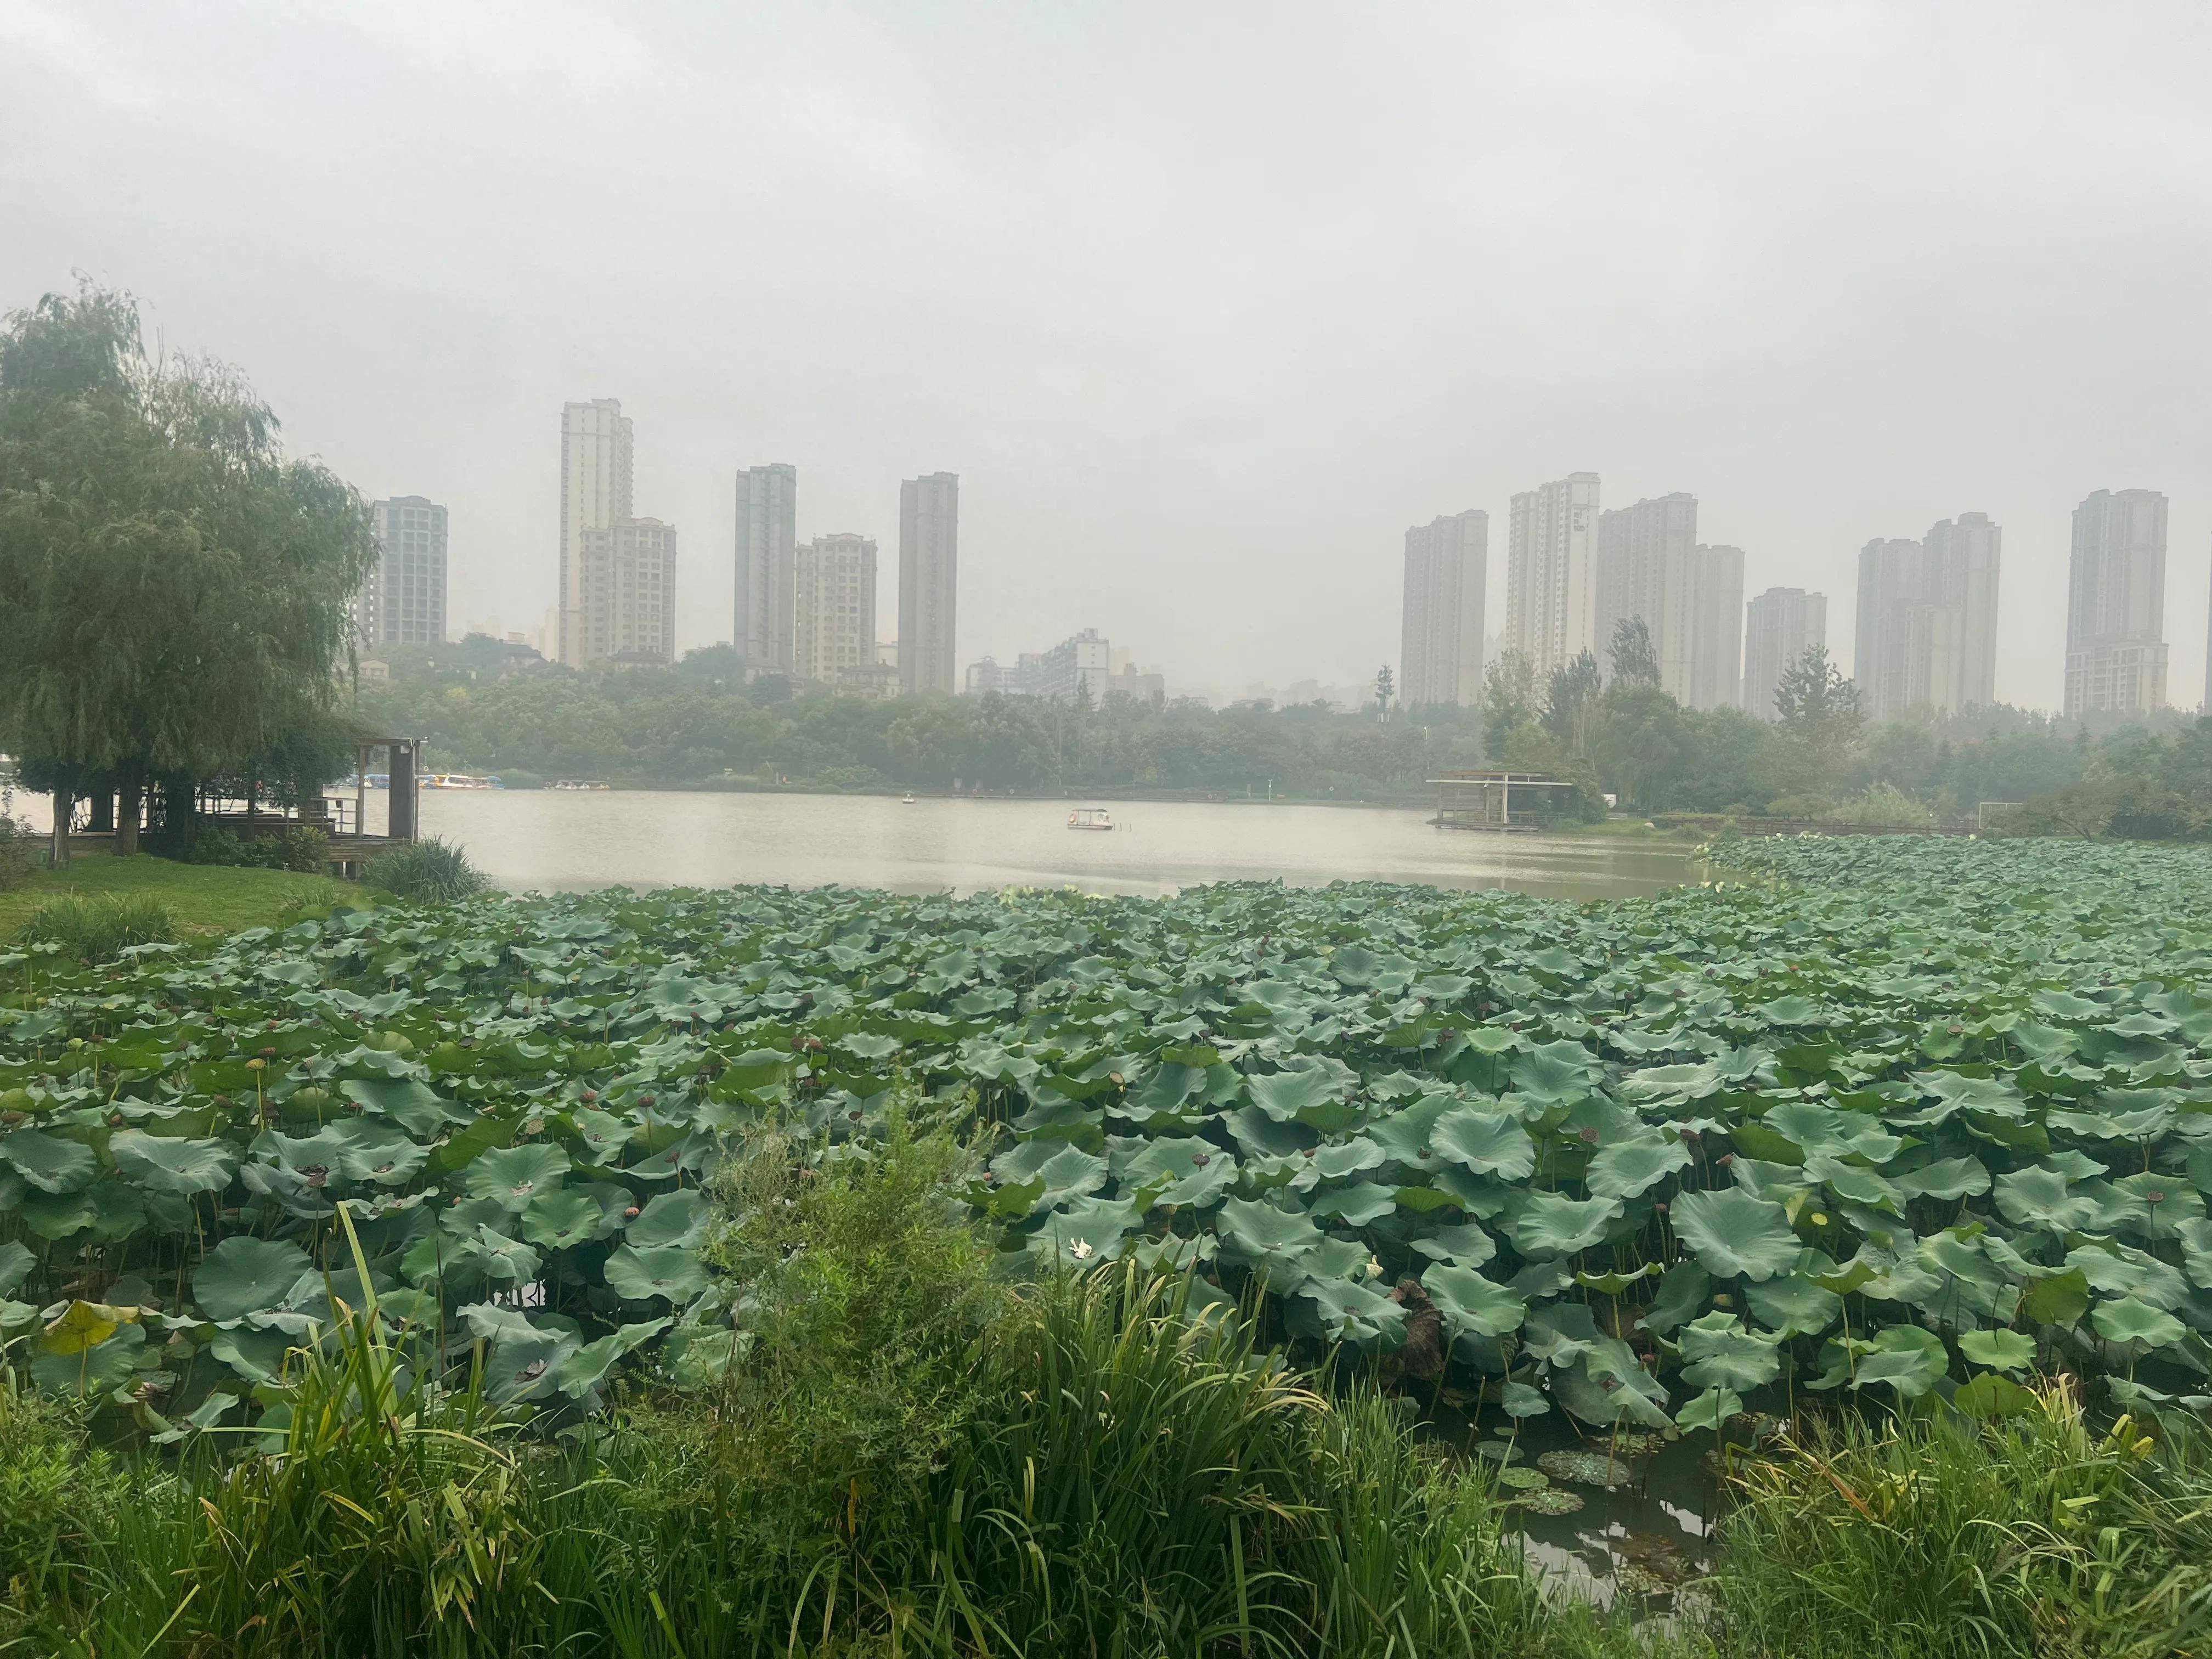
(929,582)
(1925,634)
(1550,575)
(1646,568)
(629,592)
(403,599)
(596,466)
(2116,654)
(1779,626)
(764,628)
(1440,651)
(1715,620)
(834,607)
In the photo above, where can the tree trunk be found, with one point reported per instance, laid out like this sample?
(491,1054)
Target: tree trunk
(103,812)
(65,803)
(129,809)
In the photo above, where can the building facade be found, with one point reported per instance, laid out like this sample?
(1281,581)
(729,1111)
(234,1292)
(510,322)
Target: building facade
(1079,665)
(2116,654)
(1716,618)
(1440,648)
(403,599)
(596,479)
(929,582)
(834,607)
(1645,557)
(1550,575)
(1779,626)
(629,582)
(1926,629)
(764,629)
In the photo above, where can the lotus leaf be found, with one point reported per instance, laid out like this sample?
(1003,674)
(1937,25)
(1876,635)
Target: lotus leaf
(1997,1349)
(1488,1143)
(2131,1321)
(1719,1352)
(1629,1169)
(1471,1304)
(1906,1358)
(1734,1233)
(174,1166)
(47,1162)
(243,1275)
(1710,1409)
(670,1272)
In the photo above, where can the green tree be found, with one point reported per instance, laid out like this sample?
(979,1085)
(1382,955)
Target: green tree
(1571,708)
(1509,701)
(172,589)
(1819,723)
(1635,658)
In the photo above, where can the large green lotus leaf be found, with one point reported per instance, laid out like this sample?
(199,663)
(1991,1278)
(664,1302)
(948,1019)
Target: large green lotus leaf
(2130,1320)
(1673,1086)
(1467,1245)
(1178,1170)
(15,1265)
(1488,1143)
(1608,1384)
(1791,1304)
(1471,1304)
(254,1356)
(558,1219)
(1994,1097)
(1733,1233)
(409,1103)
(508,1259)
(1965,1286)
(581,1369)
(90,1372)
(1318,1096)
(512,1175)
(1709,1410)
(1543,1223)
(1992,1398)
(1717,1352)
(243,1275)
(1754,1140)
(1167,1094)
(667,1271)
(374,1151)
(1789,1011)
(1355,1205)
(1088,1231)
(2037,1197)
(1629,1169)
(1814,1127)
(2059,1298)
(1262,1233)
(678,1217)
(1405,1136)
(2113,1269)
(1998,1350)
(1853,1185)
(1906,1357)
(49,1163)
(1346,1158)
(1946,1178)
(1067,1171)
(1555,1072)
(173,1165)
(2150,1205)
(1683,1290)
(1351,1312)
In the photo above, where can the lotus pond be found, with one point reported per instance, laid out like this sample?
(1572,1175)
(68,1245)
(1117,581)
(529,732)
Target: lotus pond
(1887,1117)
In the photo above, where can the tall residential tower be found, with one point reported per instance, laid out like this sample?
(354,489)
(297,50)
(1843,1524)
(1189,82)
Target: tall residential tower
(1927,623)
(403,600)
(2116,603)
(595,494)
(929,582)
(1440,653)
(834,607)
(1780,626)
(764,628)
(1551,571)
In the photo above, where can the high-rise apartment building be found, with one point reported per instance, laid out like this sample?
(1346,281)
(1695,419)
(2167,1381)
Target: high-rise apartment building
(403,599)
(1440,653)
(1780,625)
(1551,571)
(834,606)
(764,629)
(929,582)
(2116,603)
(629,590)
(1715,627)
(1926,629)
(595,494)
(1646,556)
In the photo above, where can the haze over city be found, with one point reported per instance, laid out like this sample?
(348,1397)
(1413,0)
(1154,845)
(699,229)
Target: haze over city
(1204,315)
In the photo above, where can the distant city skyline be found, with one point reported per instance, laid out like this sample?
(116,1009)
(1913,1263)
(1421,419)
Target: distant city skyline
(1780,626)
(1440,656)
(403,600)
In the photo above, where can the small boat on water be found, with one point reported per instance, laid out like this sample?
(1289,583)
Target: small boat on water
(907,799)
(579,783)
(1090,817)
(455,781)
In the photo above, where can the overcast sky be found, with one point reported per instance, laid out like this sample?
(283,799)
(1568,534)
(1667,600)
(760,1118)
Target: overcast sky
(1204,304)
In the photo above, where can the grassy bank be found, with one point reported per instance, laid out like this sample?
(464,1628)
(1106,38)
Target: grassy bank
(205,900)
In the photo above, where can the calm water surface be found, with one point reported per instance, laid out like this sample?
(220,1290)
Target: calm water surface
(560,840)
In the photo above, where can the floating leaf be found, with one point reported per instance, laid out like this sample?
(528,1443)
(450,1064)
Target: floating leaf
(1733,1233)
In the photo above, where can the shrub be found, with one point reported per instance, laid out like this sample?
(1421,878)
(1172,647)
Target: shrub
(94,929)
(1884,804)
(60,1501)
(304,847)
(18,853)
(433,871)
(1801,807)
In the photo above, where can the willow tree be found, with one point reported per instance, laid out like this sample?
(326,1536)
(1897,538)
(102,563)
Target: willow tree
(173,589)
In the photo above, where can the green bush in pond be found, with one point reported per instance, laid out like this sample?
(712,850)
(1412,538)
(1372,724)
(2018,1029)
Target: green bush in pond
(432,871)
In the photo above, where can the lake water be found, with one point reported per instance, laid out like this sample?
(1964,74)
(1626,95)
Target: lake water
(561,840)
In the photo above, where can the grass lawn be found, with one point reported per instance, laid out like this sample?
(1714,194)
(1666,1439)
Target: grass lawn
(1635,827)
(201,898)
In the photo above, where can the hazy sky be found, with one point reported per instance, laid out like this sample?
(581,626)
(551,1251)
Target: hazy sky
(1204,304)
